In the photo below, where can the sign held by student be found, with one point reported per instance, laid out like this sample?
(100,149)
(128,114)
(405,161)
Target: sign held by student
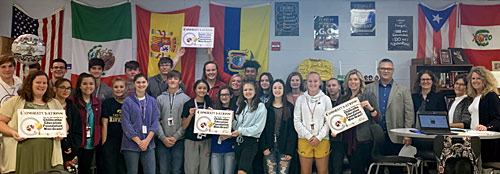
(217,122)
(346,116)
(198,37)
(41,123)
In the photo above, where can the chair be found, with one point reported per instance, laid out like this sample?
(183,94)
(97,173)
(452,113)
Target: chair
(52,171)
(392,160)
(457,148)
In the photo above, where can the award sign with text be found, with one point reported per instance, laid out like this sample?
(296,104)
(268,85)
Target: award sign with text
(400,36)
(41,123)
(346,116)
(198,37)
(217,122)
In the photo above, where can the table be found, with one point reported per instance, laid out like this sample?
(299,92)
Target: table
(405,132)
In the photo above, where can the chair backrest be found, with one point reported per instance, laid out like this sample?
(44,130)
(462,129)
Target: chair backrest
(457,155)
(52,171)
(378,139)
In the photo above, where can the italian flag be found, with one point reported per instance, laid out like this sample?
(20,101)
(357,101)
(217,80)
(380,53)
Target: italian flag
(101,33)
(480,33)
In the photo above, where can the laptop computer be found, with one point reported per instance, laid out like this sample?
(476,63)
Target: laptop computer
(434,123)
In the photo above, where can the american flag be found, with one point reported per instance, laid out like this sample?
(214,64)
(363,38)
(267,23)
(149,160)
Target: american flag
(436,29)
(49,29)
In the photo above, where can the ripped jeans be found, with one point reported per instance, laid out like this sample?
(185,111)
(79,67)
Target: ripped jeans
(274,163)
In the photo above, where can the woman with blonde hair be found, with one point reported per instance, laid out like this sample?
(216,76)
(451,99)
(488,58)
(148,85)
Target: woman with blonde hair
(356,142)
(485,110)
(235,83)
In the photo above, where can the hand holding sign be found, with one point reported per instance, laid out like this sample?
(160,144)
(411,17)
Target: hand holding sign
(346,116)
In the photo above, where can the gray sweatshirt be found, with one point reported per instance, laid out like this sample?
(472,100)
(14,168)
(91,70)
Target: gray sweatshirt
(170,106)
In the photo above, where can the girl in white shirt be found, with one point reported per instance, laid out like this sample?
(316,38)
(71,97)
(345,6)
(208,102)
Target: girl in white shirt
(311,126)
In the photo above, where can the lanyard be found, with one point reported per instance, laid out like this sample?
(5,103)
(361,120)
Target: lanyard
(89,109)
(196,104)
(143,108)
(313,110)
(9,94)
(172,98)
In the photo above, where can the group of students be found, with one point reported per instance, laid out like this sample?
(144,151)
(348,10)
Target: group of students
(278,125)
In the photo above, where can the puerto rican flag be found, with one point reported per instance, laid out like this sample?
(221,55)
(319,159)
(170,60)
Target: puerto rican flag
(480,33)
(436,30)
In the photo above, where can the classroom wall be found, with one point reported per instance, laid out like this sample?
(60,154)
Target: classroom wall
(360,52)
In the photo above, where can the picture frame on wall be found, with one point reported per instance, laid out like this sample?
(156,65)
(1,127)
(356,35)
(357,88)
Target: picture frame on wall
(445,56)
(495,65)
(458,56)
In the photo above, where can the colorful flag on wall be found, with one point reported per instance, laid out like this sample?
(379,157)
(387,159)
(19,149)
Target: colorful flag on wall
(102,33)
(159,35)
(241,34)
(436,29)
(480,32)
(49,29)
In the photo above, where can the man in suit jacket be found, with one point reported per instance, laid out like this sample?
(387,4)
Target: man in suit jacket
(395,106)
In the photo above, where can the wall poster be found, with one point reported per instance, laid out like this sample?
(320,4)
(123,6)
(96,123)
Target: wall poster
(326,32)
(362,18)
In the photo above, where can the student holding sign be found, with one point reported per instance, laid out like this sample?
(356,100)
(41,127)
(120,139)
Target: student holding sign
(279,139)
(222,159)
(22,155)
(197,146)
(139,124)
(356,142)
(249,124)
(310,124)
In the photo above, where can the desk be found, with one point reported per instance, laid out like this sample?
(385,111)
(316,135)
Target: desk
(405,132)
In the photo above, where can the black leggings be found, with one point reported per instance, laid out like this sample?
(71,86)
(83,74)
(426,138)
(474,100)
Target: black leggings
(245,153)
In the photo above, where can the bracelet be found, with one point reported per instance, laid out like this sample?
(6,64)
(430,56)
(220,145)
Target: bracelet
(373,110)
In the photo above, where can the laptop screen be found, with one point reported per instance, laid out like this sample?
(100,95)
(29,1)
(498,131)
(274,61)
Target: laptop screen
(433,121)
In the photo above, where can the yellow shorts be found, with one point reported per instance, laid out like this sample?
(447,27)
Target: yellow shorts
(306,150)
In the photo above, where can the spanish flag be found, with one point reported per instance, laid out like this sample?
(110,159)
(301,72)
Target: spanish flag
(159,35)
(241,34)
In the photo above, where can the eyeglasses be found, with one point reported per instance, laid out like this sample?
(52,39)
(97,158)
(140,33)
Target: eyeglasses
(386,69)
(58,67)
(425,79)
(225,95)
(460,84)
(165,64)
(62,88)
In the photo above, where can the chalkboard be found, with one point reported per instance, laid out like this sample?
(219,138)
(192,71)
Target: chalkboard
(400,36)
(286,19)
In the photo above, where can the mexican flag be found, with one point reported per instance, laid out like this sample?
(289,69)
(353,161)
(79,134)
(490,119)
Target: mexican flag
(480,33)
(101,33)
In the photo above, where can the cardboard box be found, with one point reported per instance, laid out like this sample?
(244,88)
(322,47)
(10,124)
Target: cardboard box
(5,45)
(421,61)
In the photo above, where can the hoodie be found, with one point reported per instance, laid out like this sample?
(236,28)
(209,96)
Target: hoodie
(170,106)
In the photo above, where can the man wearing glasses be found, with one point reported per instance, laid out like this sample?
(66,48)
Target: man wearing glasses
(158,83)
(58,70)
(395,106)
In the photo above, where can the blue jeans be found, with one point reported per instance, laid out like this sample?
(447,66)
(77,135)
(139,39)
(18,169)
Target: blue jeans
(274,162)
(170,159)
(147,159)
(222,163)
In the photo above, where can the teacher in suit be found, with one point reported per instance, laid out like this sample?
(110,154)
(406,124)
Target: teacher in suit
(395,106)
